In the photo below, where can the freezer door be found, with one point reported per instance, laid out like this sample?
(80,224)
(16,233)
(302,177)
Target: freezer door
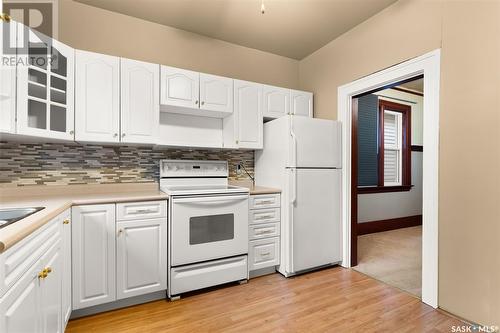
(314,218)
(314,143)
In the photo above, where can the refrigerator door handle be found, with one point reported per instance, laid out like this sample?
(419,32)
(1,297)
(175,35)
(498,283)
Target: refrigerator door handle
(294,143)
(294,186)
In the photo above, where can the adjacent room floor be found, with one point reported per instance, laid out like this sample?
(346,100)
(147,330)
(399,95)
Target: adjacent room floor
(331,300)
(393,257)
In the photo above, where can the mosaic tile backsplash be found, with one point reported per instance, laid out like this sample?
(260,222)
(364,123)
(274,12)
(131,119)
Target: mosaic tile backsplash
(27,164)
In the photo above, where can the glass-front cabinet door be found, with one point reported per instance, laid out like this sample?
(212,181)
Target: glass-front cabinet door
(45,86)
(8,77)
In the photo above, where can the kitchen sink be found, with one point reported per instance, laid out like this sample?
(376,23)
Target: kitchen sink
(11,215)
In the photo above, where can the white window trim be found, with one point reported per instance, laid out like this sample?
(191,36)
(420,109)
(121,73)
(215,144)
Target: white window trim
(398,147)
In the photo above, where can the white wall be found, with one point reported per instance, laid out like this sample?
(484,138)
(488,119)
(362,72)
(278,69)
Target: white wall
(383,206)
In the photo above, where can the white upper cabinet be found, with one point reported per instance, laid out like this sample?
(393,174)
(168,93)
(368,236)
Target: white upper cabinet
(140,101)
(93,255)
(45,86)
(180,87)
(197,94)
(276,101)
(8,79)
(97,99)
(245,128)
(216,93)
(302,103)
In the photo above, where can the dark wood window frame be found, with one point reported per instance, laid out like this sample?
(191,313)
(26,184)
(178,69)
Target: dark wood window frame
(405,154)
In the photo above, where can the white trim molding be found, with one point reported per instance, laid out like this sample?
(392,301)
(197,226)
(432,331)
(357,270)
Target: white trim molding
(428,65)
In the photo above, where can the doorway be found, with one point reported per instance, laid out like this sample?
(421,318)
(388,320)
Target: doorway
(427,65)
(387,168)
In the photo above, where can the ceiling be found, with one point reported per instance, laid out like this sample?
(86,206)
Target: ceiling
(291,28)
(416,85)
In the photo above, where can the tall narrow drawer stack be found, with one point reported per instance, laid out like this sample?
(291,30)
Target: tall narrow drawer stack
(264,231)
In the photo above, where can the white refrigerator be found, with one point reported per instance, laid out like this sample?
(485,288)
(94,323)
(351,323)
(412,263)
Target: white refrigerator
(302,157)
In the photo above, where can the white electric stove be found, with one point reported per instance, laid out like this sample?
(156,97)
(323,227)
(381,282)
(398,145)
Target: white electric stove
(208,225)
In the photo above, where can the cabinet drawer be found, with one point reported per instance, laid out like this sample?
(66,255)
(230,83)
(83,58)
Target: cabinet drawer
(264,201)
(267,215)
(263,253)
(18,259)
(266,230)
(141,210)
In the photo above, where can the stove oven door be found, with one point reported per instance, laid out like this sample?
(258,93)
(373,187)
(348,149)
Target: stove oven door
(208,227)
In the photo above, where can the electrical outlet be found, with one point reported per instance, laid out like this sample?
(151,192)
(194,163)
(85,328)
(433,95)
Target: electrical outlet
(238,168)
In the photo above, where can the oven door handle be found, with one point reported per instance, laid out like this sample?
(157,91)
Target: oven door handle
(210,200)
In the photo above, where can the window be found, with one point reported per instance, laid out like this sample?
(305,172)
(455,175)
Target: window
(384,146)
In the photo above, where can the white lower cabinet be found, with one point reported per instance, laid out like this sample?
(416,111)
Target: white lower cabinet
(263,253)
(264,232)
(141,257)
(66,305)
(93,255)
(119,251)
(32,303)
(51,290)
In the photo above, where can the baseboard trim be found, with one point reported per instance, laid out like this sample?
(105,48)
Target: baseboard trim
(123,303)
(390,224)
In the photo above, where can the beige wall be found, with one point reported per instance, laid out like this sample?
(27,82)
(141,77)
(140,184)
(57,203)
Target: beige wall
(468,33)
(98,30)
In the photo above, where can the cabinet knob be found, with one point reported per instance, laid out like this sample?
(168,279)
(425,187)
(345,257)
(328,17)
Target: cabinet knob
(115,135)
(71,132)
(66,221)
(123,135)
(5,17)
(120,231)
(48,269)
(237,141)
(42,274)
(202,103)
(196,102)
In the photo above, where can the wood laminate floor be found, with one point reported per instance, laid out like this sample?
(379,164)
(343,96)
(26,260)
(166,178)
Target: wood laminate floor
(394,257)
(331,300)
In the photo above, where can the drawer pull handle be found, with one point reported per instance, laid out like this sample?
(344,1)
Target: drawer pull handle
(265,254)
(66,221)
(264,232)
(264,217)
(265,202)
(143,211)
(48,269)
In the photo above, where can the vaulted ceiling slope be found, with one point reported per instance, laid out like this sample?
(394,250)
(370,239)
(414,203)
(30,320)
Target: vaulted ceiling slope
(291,28)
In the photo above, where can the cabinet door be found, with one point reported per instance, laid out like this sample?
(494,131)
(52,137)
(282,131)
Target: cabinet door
(97,97)
(51,290)
(179,87)
(45,86)
(20,307)
(93,255)
(140,101)
(248,114)
(302,103)
(8,78)
(141,256)
(216,93)
(276,101)
(66,268)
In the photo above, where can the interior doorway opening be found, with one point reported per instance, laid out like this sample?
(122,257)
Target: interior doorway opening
(427,65)
(387,156)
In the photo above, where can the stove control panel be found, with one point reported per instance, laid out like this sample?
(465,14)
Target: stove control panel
(185,168)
